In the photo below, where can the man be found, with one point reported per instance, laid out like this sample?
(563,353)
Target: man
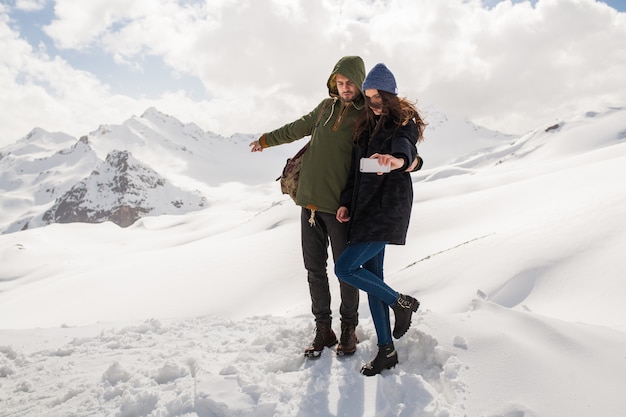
(323,175)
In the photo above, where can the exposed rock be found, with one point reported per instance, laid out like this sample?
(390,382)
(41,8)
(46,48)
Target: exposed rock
(120,190)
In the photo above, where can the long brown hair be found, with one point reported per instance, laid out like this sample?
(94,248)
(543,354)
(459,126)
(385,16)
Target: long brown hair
(396,110)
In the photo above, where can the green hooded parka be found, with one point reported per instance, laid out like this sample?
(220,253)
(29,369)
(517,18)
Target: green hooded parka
(326,164)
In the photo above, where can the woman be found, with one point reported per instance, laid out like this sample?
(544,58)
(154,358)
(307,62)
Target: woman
(378,207)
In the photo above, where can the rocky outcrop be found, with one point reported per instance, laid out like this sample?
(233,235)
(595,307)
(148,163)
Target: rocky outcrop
(120,190)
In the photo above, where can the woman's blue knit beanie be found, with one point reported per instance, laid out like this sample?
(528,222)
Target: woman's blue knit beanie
(381,78)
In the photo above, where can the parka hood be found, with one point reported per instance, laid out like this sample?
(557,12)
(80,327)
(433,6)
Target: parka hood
(348,66)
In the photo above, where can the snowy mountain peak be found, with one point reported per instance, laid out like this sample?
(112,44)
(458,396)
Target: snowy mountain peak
(120,190)
(39,143)
(35,133)
(155,116)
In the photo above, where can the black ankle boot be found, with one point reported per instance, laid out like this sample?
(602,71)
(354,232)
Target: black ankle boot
(386,358)
(403,308)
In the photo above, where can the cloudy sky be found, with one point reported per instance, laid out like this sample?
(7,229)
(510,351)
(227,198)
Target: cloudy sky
(252,65)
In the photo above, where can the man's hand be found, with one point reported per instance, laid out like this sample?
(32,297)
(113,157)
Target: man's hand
(343,215)
(256,146)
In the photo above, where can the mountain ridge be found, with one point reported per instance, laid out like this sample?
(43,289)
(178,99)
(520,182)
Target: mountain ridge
(43,171)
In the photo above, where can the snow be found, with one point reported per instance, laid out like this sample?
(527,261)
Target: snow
(515,251)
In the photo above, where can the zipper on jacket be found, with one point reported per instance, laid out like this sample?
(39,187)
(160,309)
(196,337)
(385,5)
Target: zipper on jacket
(341,116)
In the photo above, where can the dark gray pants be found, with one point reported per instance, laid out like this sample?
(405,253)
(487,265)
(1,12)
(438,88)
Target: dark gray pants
(315,240)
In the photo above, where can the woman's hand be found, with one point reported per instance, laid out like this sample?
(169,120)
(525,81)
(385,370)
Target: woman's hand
(343,214)
(389,160)
(413,165)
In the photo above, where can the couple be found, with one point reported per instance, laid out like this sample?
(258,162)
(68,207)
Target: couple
(359,213)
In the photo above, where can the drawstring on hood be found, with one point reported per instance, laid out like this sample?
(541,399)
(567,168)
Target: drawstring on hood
(332,110)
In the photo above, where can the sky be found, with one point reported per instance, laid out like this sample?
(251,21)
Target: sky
(251,66)
(515,251)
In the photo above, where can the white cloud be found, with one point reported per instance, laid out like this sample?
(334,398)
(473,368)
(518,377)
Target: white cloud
(265,62)
(38,90)
(30,5)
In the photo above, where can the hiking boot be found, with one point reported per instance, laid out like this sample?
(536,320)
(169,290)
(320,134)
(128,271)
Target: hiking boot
(324,337)
(386,358)
(403,308)
(348,340)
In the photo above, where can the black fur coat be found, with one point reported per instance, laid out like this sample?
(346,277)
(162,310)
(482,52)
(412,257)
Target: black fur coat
(380,205)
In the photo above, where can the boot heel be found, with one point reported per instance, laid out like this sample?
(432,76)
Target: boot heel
(403,308)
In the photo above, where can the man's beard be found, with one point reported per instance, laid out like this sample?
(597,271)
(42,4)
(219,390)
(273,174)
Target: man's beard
(351,98)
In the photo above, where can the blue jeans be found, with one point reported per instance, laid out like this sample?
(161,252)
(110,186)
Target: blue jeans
(361,265)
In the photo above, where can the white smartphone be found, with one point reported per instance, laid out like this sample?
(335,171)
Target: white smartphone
(372,165)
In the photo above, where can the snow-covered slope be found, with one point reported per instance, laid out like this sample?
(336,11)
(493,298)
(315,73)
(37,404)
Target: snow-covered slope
(515,253)
(450,139)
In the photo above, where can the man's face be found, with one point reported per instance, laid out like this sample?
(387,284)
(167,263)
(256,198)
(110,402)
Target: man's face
(348,90)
